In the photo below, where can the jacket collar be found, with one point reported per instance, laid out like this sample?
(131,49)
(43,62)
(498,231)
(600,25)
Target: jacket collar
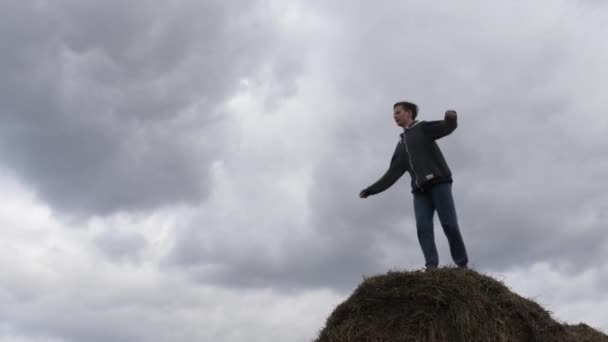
(412,125)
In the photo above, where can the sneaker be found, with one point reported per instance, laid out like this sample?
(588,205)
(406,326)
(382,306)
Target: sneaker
(430,268)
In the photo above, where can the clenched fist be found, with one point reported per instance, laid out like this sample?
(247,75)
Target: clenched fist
(450,114)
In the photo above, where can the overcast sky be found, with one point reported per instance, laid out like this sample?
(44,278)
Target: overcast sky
(190,171)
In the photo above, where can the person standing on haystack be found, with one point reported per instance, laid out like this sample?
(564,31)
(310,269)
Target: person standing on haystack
(417,153)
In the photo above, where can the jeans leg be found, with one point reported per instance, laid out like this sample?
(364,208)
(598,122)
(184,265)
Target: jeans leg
(446,210)
(424,210)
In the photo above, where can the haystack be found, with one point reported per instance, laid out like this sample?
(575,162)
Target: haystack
(445,305)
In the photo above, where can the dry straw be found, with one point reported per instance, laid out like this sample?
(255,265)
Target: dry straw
(445,305)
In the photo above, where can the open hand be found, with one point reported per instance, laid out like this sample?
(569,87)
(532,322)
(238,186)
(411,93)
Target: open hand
(364,193)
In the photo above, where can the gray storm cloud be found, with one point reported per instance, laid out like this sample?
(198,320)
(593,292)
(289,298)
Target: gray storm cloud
(515,156)
(118,106)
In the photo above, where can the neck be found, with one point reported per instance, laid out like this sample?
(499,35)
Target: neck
(408,124)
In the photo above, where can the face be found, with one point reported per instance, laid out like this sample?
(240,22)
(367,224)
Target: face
(402,117)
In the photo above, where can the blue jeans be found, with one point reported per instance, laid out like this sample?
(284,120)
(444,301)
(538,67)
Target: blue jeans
(438,198)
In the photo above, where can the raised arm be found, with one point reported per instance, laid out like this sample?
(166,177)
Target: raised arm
(440,128)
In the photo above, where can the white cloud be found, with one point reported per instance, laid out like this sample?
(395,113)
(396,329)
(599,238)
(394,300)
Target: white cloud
(57,286)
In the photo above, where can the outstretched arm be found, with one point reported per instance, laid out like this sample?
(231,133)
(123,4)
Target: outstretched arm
(440,128)
(396,169)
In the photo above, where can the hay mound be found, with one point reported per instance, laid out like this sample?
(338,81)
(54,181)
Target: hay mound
(584,333)
(445,305)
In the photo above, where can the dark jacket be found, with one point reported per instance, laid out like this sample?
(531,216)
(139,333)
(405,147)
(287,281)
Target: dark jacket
(417,153)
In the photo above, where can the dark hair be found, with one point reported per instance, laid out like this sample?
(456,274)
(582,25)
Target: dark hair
(412,107)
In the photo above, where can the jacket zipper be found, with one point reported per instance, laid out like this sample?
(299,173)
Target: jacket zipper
(411,164)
